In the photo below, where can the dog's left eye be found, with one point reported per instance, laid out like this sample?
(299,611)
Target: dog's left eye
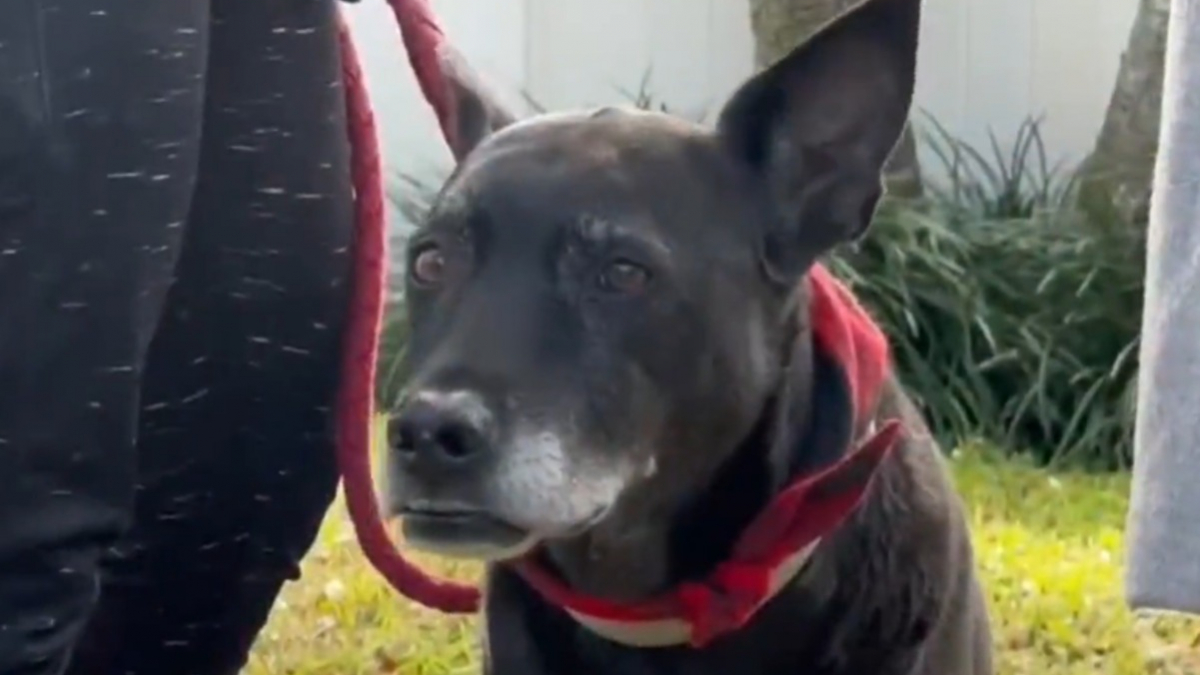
(623,276)
(428,266)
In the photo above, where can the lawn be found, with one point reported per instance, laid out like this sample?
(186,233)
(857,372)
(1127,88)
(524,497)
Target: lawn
(1049,545)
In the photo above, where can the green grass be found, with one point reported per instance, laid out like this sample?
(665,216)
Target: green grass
(1049,544)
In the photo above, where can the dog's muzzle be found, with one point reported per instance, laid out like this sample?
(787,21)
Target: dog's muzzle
(467,483)
(440,444)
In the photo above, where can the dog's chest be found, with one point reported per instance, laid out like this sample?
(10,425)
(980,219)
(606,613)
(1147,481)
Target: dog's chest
(786,641)
(607,659)
(784,657)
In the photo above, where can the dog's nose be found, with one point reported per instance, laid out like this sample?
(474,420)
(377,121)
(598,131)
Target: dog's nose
(441,428)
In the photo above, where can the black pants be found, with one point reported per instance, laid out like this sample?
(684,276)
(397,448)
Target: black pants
(175,216)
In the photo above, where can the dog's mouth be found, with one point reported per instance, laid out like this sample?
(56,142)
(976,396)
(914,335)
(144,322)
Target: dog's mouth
(461,531)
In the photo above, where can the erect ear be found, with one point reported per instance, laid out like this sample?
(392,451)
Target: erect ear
(818,126)
(478,112)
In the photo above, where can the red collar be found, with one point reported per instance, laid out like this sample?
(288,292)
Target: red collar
(780,540)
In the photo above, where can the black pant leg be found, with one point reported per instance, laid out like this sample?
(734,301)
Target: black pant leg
(100,105)
(236,457)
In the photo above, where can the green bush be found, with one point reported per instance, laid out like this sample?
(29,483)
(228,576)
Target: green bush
(1012,318)
(389,379)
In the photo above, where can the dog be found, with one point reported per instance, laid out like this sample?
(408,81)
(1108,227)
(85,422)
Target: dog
(636,394)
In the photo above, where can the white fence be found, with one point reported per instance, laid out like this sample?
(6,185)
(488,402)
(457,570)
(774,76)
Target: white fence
(986,65)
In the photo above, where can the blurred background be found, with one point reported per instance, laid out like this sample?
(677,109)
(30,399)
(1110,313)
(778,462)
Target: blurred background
(987,67)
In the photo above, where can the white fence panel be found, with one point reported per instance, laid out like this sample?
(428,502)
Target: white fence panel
(986,65)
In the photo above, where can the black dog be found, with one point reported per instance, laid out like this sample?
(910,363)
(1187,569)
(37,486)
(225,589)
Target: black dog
(672,434)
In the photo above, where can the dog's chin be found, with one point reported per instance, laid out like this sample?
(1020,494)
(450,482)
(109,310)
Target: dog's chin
(469,535)
(480,536)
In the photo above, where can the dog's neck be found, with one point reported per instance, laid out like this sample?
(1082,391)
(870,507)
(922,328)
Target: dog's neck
(679,537)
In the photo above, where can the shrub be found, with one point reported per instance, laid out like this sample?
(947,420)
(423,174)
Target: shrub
(1012,318)
(411,197)
(389,379)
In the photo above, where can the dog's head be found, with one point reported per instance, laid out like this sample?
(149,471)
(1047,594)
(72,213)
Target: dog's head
(597,299)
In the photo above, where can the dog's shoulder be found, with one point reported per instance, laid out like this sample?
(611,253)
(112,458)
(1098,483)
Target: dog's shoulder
(915,492)
(905,557)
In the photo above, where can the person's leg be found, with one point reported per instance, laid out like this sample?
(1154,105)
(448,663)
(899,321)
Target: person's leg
(1163,540)
(100,104)
(237,462)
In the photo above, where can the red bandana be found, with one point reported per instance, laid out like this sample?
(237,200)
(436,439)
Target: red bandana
(780,540)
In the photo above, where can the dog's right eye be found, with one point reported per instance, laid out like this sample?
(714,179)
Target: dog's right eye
(625,277)
(428,266)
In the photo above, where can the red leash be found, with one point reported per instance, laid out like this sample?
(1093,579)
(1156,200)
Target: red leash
(425,43)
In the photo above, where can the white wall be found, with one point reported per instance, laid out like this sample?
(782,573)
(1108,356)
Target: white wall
(492,35)
(985,64)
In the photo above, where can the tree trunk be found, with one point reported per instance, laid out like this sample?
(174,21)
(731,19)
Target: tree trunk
(1116,177)
(780,25)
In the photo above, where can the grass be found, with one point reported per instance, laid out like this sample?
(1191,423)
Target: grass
(1050,549)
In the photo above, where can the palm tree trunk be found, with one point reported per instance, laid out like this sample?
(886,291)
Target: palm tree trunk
(780,25)
(1116,176)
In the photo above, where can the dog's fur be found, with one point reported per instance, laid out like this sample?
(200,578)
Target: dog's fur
(612,367)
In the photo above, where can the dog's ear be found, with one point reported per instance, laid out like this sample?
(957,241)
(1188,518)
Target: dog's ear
(818,126)
(479,112)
